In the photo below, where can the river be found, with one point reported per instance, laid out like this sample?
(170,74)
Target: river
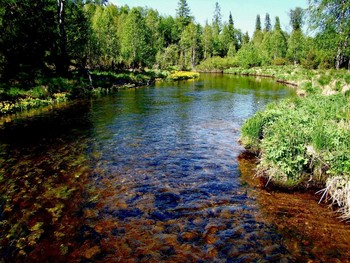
(154,174)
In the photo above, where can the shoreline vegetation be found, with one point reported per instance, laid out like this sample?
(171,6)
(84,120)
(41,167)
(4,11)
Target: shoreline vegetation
(304,142)
(56,90)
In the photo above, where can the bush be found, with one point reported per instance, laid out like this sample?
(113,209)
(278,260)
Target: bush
(248,56)
(216,64)
(304,141)
(279,62)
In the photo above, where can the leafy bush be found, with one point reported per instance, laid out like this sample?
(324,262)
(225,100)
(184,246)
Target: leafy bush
(216,64)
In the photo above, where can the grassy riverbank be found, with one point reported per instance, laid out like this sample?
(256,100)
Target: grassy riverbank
(305,142)
(307,81)
(49,91)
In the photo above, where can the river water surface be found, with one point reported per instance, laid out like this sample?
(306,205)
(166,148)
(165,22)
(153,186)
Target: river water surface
(154,174)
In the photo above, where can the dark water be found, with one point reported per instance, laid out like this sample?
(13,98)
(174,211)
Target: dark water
(145,175)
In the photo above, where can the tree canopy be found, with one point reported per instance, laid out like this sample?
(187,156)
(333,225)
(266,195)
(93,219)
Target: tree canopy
(59,37)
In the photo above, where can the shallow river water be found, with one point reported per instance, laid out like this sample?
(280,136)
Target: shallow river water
(154,174)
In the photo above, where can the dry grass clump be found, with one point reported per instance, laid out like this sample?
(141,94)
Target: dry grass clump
(337,191)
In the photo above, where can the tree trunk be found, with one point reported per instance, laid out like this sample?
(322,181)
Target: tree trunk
(62,63)
(193,58)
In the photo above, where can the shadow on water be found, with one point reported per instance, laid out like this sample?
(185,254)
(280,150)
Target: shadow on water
(145,175)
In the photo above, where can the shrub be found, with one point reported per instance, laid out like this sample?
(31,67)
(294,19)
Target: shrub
(304,138)
(182,75)
(216,64)
(279,62)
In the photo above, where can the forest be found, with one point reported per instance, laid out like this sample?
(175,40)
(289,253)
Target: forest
(49,38)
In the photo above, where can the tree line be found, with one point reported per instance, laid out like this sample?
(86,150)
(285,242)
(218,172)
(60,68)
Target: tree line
(58,37)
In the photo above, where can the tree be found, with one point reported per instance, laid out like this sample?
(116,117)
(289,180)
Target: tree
(258,23)
(217,27)
(296,44)
(226,40)
(217,18)
(296,40)
(169,30)
(135,41)
(152,21)
(207,41)
(245,38)
(248,56)
(331,18)
(28,31)
(233,33)
(104,43)
(73,35)
(258,35)
(278,41)
(296,18)
(267,23)
(183,14)
(189,44)
(168,57)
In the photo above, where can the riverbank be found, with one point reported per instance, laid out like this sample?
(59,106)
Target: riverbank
(50,91)
(307,81)
(305,142)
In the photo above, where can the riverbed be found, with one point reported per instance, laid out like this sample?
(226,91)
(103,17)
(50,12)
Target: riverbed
(154,174)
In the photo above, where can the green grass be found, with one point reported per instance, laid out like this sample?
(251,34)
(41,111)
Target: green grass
(304,142)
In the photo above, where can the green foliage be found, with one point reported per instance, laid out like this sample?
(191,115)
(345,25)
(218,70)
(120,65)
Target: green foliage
(135,41)
(332,19)
(248,56)
(168,57)
(216,64)
(295,136)
(279,62)
(189,44)
(324,79)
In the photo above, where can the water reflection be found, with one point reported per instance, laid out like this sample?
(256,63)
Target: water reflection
(142,175)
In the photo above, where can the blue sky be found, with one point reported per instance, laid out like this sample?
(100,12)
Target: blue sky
(244,12)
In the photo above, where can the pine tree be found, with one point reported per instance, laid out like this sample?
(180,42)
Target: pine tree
(217,18)
(258,23)
(258,35)
(267,23)
(297,39)
(183,14)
